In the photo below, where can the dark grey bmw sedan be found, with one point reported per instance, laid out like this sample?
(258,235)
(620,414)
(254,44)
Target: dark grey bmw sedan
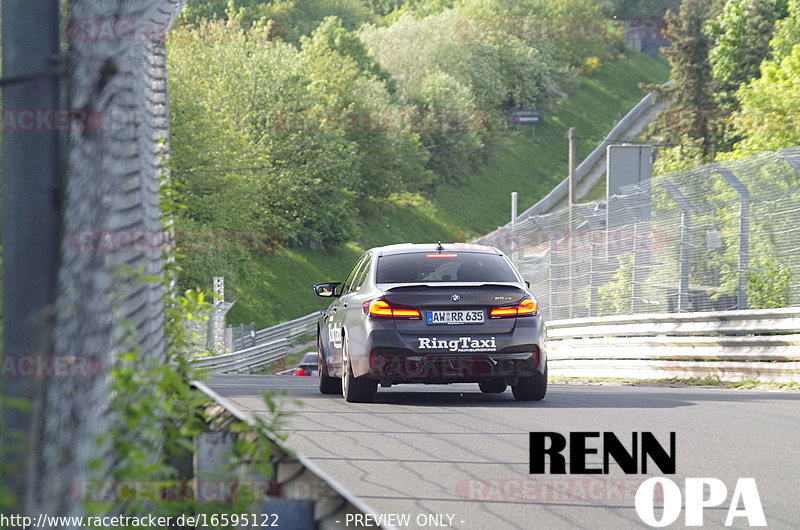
(431,314)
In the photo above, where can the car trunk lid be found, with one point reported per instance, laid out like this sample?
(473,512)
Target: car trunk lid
(438,301)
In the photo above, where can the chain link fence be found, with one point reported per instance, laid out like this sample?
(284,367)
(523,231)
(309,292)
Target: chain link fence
(116,71)
(721,236)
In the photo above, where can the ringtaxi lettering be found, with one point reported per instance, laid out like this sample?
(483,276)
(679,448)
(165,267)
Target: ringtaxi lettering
(461,344)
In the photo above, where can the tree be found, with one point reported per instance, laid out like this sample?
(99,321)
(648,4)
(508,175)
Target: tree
(229,85)
(265,138)
(291,18)
(787,31)
(641,8)
(692,108)
(768,105)
(741,35)
(441,66)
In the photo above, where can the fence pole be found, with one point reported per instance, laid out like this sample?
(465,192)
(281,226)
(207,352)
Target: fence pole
(513,208)
(550,276)
(686,234)
(634,282)
(592,290)
(571,137)
(31,223)
(744,234)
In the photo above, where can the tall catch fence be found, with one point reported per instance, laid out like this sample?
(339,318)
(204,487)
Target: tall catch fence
(113,74)
(721,236)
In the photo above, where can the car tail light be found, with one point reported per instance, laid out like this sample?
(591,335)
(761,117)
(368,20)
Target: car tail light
(526,307)
(300,371)
(382,309)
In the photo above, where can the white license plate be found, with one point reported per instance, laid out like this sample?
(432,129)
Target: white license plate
(457,317)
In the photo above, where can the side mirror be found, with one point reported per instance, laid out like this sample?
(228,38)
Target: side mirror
(327,289)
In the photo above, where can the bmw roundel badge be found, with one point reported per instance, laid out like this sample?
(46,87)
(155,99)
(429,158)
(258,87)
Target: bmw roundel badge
(456,297)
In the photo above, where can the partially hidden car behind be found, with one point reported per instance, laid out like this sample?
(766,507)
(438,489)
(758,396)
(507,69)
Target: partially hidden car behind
(431,314)
(307,365)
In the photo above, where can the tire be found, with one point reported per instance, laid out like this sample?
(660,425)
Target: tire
(356,390)
(531,388)
(493,386)
(327,384)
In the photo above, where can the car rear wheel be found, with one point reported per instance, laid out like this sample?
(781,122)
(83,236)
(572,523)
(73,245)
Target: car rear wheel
(531,388)
(493,386)
(327,384)
(356,390)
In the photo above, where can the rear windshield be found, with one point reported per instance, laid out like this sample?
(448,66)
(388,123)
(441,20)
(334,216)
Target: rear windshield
(444,267)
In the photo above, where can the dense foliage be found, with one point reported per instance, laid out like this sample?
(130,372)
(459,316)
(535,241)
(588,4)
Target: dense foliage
(749,103)
(769,105)
(289,117)
(736,92)
(741,34)
(689,115)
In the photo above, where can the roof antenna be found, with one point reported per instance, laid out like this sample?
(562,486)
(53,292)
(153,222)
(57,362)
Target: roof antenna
(439,247)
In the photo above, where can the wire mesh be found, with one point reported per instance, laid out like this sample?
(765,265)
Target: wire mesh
(103,306)
(721,236)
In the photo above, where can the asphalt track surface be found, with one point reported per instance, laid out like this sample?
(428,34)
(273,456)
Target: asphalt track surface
(454,457)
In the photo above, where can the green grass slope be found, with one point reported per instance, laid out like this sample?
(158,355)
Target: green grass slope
(278,286)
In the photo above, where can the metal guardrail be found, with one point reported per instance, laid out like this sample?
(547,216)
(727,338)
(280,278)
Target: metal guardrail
(759,344)
(270,344)
(732,345)
(245,360)
(289,330)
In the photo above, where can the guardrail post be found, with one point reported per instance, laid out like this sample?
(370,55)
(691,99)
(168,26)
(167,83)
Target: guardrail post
(686,233)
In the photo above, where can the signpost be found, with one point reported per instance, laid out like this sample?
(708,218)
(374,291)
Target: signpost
(525,117)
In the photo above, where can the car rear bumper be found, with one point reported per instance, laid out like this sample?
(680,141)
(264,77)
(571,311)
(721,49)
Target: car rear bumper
(446,368)
(447,356)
